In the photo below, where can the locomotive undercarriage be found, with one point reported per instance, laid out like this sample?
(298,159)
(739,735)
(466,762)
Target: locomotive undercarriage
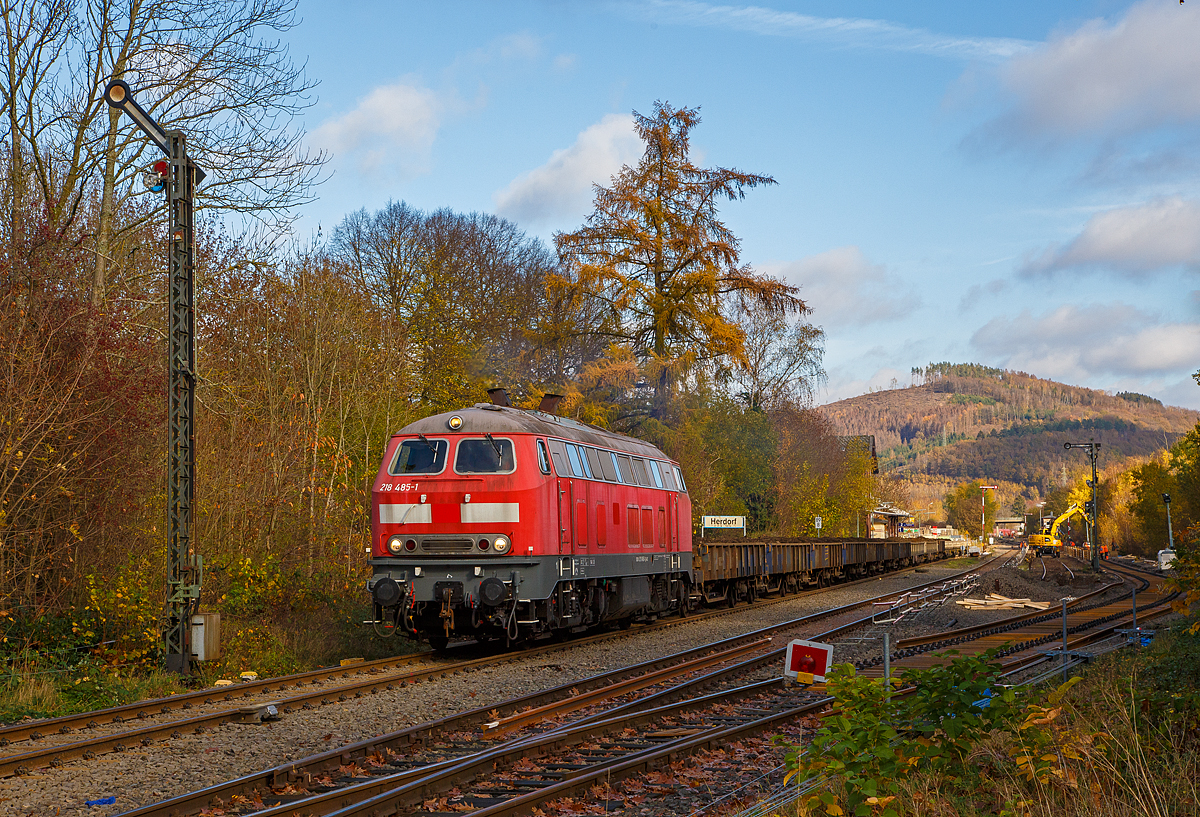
(573,606)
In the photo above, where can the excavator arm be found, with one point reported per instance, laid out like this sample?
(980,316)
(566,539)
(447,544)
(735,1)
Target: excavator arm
(1067,514)
(1050,543)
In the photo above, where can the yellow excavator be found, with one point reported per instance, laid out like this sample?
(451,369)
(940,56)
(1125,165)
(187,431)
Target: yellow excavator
(1048,544)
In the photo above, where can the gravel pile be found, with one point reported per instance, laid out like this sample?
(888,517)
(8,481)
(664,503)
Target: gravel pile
(192,762)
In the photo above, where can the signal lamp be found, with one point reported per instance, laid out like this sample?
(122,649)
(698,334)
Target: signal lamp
(410,545)
(484,544)
(394,544)
(501,544)
(154,178)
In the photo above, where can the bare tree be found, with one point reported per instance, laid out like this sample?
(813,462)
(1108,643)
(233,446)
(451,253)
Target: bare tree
(782,362)
(208,67)
(35,36)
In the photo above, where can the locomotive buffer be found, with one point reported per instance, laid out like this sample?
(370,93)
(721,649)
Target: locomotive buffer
(179,175)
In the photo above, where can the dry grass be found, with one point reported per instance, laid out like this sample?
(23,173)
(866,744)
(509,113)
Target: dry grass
(1135,767)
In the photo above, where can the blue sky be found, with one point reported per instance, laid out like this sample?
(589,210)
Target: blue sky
(1012,184)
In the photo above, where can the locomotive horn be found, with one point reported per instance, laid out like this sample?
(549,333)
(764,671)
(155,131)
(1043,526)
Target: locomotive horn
(550,403)
(498,396)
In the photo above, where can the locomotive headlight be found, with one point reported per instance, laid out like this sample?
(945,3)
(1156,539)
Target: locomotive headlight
(455,423)
(395,544)
(501,544)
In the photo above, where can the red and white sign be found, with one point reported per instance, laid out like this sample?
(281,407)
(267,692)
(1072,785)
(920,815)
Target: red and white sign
(807,658)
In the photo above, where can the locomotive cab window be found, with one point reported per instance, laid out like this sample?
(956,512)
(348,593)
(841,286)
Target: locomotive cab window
(679,479)
(668,477)
(543,457)
(420,456)
(487,456)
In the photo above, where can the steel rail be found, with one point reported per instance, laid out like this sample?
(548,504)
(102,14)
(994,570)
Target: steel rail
(141,710)
(1008,621)
(34,730)
(308,768)
(411,793)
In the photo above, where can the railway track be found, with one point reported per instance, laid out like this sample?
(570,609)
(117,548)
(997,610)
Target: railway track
(59,739)
(361,772)
(1023,640)
(458,767)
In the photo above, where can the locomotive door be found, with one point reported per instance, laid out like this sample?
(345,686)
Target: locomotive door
(564,516)
(579,500)
(673,521)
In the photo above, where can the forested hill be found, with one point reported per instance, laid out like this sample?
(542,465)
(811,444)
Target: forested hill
(965,422)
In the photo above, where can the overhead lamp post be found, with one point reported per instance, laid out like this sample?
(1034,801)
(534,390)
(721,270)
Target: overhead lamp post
(983,489)
(1093,450)
(1170,535)
(185,569)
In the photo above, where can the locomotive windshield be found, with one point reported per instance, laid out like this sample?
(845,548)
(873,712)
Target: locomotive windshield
(420,456)
(486,456)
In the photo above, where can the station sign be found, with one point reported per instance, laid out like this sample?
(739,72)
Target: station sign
(723,523)
(806,662)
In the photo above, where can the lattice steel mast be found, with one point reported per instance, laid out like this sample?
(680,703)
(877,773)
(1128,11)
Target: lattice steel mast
(185,569)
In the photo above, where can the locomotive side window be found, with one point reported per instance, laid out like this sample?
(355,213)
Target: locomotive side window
(420,456)
(543,457)
(587,466)
(558,452)
(486,456)
(679,479)
(593,458)
(669,478)
(607,467)
(626,470)
(576,467)
(639,473)
(654,472)
(616,472)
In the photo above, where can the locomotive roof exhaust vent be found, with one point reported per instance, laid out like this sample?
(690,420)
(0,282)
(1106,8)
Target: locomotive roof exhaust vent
(498,397)
(550,403)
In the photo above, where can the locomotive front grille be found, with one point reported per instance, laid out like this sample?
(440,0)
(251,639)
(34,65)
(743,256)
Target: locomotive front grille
(448,545)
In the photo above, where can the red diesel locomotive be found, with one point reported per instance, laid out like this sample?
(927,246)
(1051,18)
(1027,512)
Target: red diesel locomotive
(497,522)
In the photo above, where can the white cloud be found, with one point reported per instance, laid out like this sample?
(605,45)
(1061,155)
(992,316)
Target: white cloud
(843,288)
(562,187)
(1136,240)
(391,130)
(1138,73)
(1079,344)
(847,31)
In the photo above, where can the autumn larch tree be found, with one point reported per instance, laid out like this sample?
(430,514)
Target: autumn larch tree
(664,270)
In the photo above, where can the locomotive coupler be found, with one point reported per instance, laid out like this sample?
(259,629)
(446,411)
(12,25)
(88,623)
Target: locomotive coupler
(447,612)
